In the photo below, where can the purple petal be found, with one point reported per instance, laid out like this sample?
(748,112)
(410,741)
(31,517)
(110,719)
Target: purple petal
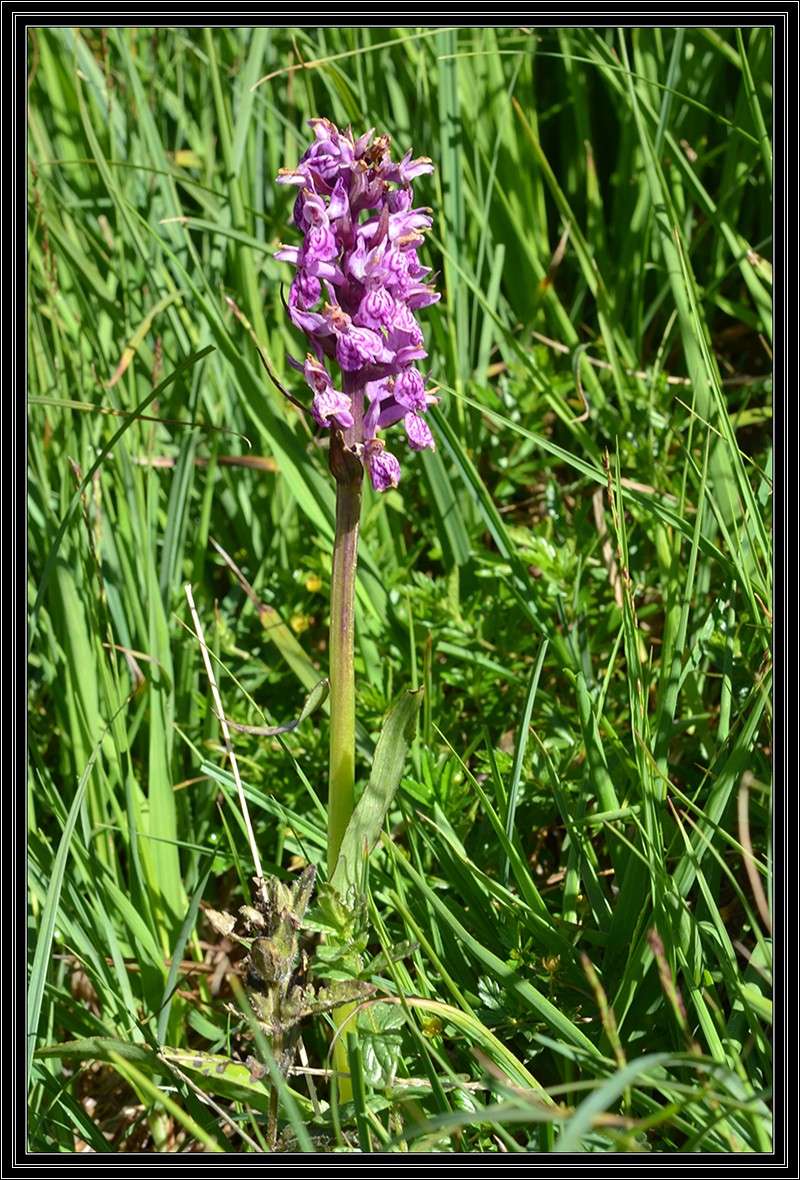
(410,169)
(310,322)
(359,257)
(305,291)
(331,405)
(408,354)
(290,176)
(320,244)
(421,296)
(316,375)
(362,142)
(339,203)
(418,432)
(400,200)
(288,254)
(409,390)
(384,469)
(376,310)
(390,412)
(358,348)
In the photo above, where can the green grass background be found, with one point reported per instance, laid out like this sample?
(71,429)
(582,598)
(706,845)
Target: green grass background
(580,578)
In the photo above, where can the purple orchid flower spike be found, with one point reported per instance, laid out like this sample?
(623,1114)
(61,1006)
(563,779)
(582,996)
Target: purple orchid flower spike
(357,286)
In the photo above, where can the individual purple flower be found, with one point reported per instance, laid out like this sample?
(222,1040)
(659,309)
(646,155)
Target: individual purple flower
(418,433)
(384,469)
(361,233)
(358,348)
(409,390)
(376,310)
(404,328)
(408,169)
(320,244)
(313,210)
(328,404)
(305,291)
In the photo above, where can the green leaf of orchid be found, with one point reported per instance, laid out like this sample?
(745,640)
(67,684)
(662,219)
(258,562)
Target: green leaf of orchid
(365,824)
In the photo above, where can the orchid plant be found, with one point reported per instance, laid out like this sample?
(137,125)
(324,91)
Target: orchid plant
(357,286)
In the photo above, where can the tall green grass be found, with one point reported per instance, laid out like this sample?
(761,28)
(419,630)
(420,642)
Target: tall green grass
(579,578)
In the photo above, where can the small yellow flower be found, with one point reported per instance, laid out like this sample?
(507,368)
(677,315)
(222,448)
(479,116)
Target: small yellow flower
(431,1027)
(299,623)
(314,583)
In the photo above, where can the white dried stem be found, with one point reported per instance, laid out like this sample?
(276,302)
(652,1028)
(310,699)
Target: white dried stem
(226,734)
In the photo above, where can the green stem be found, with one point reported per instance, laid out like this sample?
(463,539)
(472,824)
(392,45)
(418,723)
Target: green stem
(349,475)
(341,785)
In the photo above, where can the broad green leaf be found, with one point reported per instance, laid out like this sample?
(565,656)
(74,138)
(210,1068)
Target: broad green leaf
(364,829)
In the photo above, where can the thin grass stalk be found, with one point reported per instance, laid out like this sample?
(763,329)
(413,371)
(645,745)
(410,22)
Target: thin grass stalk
(226,735)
